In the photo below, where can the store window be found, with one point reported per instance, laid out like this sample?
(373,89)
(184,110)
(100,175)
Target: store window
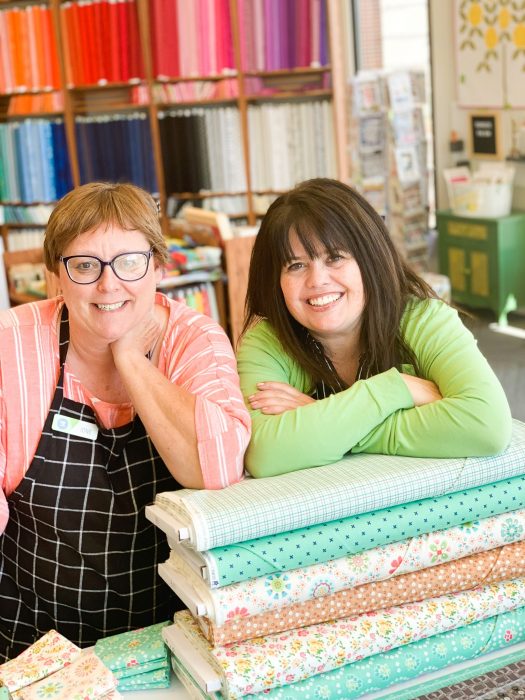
(391,35)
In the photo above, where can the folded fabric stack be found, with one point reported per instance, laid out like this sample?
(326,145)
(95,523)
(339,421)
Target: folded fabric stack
(138,659)
(346,579)
(54,667)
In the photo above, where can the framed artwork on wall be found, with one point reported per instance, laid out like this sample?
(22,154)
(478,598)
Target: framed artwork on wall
(484,137)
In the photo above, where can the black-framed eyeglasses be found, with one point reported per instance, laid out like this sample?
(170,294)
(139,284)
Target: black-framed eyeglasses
(86,269)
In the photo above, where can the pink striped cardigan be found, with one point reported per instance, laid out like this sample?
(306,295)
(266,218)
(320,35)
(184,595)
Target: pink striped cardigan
(196,354)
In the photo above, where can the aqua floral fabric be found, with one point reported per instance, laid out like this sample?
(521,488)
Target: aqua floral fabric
(148,680)
(136,653)
(328,541)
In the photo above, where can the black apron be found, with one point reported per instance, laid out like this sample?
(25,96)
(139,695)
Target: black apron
(78,554)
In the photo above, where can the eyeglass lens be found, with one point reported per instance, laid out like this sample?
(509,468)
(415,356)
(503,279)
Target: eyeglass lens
(127,267)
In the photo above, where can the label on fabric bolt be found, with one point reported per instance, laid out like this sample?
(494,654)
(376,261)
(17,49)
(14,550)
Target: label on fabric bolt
(75,426)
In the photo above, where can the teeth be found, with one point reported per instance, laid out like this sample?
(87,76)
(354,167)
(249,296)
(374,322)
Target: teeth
(110,307)
(322,301)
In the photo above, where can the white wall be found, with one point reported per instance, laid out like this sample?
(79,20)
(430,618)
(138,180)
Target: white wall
(444,92)
(447,115)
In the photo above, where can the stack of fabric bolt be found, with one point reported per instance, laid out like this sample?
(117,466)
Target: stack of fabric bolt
(138,659)
(345,579)
(54,667)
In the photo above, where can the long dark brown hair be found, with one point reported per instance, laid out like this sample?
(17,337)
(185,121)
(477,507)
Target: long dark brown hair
(327,213)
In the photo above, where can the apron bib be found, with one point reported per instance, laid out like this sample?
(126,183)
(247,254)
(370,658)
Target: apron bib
(78,554)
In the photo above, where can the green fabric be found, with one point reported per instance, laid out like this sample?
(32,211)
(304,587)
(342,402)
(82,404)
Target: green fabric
(159,678)
(134,652)
(469,671)
(327,541)
(146,667)
(404,663)
(377,415)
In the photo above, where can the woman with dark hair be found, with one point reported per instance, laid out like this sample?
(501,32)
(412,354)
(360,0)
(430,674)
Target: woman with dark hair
(345,348)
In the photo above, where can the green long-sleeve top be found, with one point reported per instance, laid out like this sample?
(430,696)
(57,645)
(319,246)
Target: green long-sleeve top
(378,415)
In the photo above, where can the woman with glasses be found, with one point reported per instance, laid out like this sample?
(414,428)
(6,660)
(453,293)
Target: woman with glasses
(346,349)
(109,393)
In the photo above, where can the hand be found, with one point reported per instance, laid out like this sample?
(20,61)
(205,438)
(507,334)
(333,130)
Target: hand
(141,338)
(423,390)
(274,398)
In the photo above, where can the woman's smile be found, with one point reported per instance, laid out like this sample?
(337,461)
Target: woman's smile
(321,302)
(111,307)
(325,293)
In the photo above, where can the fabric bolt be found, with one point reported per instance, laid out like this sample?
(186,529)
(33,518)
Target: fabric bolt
(85,679)
(256,508)
(327,541)
(269,593)
(195,691)
(411,661)
(475,570)
(134,652)
(277,660)
(48,654)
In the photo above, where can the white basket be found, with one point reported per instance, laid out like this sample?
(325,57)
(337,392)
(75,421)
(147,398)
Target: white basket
(480,199)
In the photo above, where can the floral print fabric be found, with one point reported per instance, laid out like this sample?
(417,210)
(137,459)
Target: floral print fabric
(147,680)
(478,569)
(134,652)
(382,671)
(289,657)
(327,541)
(47,655)
(138,658)
(85,679)
(405,663)
(241,600)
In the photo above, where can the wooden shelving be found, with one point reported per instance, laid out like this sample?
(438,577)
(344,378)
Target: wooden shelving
(104,98)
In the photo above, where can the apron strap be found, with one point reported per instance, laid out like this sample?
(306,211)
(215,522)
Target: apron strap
(63,340)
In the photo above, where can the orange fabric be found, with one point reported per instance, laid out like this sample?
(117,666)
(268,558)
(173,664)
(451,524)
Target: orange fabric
(463,574)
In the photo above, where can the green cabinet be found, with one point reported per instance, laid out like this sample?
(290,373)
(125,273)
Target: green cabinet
(484,260)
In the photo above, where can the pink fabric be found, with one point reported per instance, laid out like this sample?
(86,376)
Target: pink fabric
(195,354)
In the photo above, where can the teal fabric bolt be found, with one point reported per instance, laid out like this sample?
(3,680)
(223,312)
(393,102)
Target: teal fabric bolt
(325,542)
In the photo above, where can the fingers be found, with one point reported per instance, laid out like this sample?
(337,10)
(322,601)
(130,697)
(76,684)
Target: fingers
(278,387)
(273,398)
(423,391)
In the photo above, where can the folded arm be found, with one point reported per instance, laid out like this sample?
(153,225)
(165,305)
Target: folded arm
(195,415)
(379,414)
